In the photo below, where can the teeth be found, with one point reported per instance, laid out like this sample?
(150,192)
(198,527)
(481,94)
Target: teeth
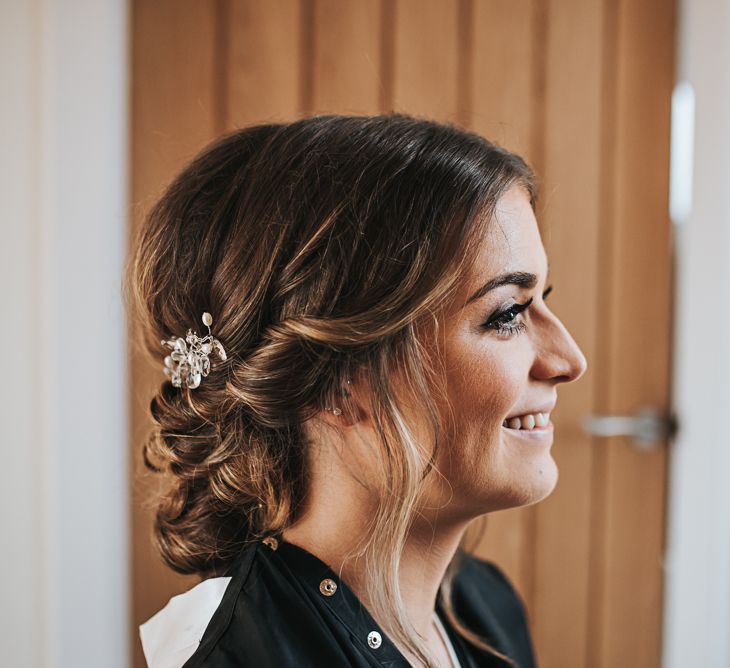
(528,422)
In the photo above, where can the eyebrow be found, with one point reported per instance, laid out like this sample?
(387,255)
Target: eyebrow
(522,279)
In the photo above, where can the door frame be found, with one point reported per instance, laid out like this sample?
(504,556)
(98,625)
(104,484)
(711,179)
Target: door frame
(64,212)
(697,560)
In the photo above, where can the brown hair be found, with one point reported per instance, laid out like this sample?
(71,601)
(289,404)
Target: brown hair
(320,247)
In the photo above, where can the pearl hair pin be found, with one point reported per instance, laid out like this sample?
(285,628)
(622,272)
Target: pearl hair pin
(189,360)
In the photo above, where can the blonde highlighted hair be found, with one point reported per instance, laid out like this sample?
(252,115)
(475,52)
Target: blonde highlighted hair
(322,247)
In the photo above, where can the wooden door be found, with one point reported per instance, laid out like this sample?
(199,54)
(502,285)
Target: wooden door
(582,89)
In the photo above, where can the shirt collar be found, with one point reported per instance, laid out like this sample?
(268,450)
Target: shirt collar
(318,578)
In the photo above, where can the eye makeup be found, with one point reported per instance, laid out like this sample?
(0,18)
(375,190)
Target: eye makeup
(504,322)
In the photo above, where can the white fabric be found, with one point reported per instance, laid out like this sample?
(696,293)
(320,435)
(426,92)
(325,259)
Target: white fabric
(447,641)
(171,636)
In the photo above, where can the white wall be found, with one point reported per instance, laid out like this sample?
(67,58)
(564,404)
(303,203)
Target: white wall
(697,600)
(63,176)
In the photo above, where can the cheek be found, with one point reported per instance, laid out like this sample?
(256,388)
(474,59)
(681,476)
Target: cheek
(482,388)
(482,470)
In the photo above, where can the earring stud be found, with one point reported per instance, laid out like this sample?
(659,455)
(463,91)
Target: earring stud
(336,410)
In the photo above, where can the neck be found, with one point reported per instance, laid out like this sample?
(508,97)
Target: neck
(427,554)
(330,529)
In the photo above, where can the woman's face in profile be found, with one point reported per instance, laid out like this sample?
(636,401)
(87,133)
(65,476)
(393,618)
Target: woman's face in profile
(503,363)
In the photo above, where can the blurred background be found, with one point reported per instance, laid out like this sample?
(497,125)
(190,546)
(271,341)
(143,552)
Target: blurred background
(622,108)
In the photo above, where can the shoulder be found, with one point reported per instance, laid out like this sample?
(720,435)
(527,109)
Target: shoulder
(266,618)
(172,635)
(488,603)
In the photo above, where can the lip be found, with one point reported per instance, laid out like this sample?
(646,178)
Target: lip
(534,434)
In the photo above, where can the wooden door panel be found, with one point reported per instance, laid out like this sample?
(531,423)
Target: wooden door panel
(348,57)
(263,66)
(636,348)
(581,89)
(506,73)
(570,215)
(425,64)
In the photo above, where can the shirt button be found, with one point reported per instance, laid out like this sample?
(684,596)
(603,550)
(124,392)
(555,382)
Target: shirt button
(327,587)
(374,639)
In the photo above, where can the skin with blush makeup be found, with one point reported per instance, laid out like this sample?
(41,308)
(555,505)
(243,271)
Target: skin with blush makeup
(505,354)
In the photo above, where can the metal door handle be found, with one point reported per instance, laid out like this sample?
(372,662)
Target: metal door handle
(646,429)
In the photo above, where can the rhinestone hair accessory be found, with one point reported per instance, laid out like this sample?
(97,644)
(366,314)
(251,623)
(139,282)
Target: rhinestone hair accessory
(189,360)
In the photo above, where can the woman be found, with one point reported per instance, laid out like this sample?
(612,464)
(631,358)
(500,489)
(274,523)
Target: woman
(378,369)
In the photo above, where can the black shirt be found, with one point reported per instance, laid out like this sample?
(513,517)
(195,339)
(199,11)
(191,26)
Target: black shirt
(285,607)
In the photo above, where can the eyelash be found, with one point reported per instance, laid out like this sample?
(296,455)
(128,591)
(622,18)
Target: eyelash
(504,323)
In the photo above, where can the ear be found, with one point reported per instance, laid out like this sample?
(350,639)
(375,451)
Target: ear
(350,409)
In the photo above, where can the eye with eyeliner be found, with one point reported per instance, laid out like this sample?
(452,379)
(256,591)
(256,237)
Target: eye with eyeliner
(504,323)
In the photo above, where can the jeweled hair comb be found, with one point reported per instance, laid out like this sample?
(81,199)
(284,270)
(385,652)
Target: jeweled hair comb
(189,360)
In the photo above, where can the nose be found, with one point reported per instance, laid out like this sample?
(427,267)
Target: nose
(558,356)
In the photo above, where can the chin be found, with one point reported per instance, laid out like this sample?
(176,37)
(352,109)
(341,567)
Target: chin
(474,491)
(536,486)
(518,491)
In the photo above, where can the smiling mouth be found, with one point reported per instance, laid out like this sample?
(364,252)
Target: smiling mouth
(530,422)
